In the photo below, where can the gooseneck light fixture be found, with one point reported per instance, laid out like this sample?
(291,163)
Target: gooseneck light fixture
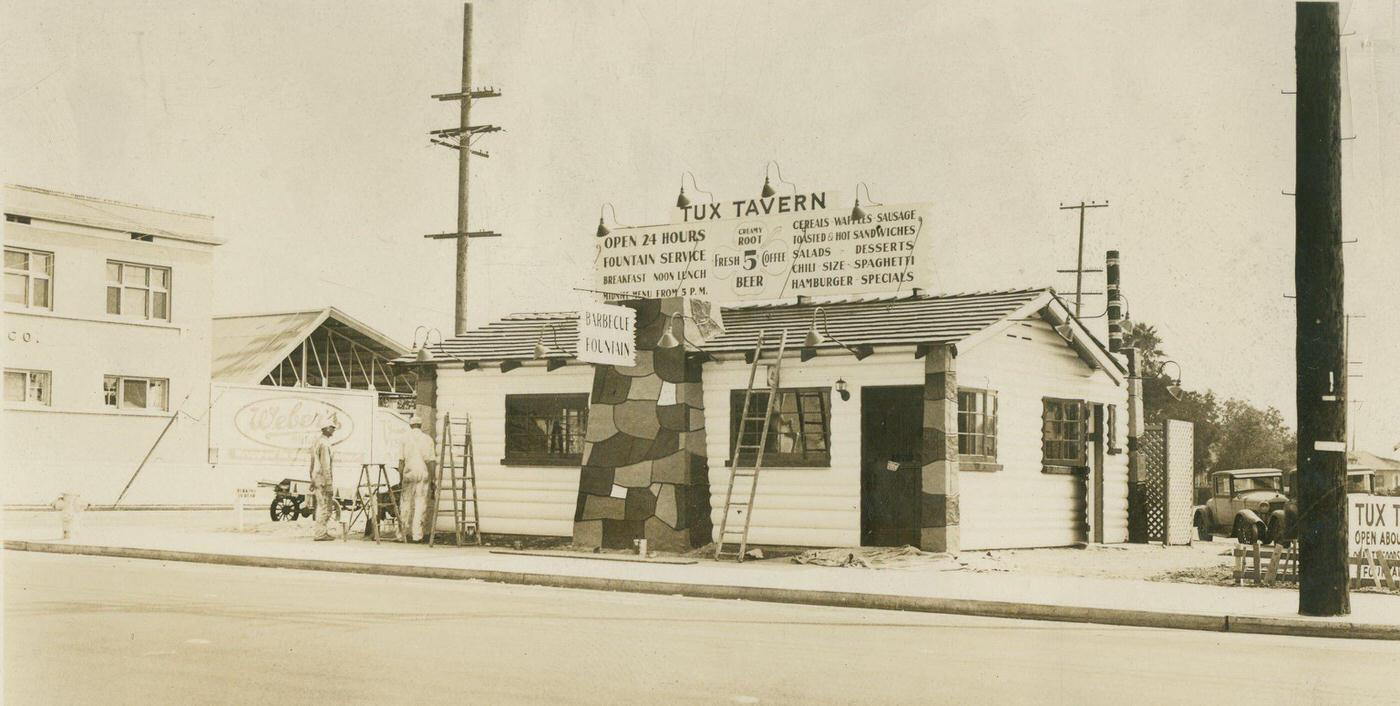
(858,213)
(682,200)
(1173,383)
(541,351)
(603,229)
(816,337)
(668,337)
(768,191)
(421,354)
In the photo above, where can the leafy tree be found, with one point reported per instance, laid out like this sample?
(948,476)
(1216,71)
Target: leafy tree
(1229,434)
(1254,438)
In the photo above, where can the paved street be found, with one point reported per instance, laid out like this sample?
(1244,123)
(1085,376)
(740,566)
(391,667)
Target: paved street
(88,630)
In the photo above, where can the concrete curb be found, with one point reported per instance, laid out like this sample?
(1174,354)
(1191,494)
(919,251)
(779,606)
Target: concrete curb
(839,599)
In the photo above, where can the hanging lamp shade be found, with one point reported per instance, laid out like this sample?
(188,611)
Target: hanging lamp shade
(423,355)
(682,201)
(857,213)
(1175,391)
(767,189)
(540,351)
(814,337)
(602,229)
(668,339)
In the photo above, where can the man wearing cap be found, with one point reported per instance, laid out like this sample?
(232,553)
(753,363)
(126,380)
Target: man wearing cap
(322,481)
(416,462)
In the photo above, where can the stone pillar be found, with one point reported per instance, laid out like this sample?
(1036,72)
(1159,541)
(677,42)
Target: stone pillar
(644,468)
(938,515)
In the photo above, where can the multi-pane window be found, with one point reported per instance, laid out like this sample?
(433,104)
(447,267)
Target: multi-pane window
(977,424)
(29,278)
(545,429)
(138,291)
(29,386)
(799,431)
(1063,434)
(124,392)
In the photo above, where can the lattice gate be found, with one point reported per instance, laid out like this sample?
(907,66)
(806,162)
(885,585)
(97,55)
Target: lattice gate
(1167,462)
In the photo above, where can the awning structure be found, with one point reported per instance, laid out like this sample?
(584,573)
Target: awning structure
(857,326)
(311,348)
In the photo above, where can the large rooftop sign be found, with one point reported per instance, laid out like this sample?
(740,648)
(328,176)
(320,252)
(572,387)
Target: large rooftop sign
(775,248)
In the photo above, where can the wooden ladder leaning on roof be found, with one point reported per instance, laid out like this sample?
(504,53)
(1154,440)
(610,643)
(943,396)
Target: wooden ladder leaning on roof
(455,481)
(749,424)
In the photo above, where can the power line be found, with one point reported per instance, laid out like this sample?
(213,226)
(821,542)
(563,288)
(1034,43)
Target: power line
(1079,269)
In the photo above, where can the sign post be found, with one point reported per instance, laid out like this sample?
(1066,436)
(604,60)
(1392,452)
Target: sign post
(239,496)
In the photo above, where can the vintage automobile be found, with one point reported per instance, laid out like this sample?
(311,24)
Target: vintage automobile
(1283,522)
(1240,503)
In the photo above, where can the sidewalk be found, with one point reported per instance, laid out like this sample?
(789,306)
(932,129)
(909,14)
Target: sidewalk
(936,586)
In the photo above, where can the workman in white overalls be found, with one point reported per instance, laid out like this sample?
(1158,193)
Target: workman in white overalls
(416,464)
(322,482)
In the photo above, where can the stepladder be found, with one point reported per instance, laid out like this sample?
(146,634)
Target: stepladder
(377,500)
(750,443)
(454,491)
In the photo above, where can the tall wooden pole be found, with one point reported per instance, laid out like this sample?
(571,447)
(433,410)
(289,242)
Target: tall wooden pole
(464,174)
(1079,263)
(1321,350)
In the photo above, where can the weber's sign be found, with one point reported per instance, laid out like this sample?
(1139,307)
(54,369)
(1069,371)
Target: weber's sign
(769,255)
(265,425)
(607,335)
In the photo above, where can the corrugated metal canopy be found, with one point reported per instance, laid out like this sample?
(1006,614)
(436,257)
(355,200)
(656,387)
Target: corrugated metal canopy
(911,320)
(246,348)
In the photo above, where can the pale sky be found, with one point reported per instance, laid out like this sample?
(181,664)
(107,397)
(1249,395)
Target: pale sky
(301,126)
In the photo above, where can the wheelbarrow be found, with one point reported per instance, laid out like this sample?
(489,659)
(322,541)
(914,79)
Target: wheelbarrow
(292,498)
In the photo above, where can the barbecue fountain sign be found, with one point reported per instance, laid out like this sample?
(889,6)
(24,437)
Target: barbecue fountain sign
(769,248)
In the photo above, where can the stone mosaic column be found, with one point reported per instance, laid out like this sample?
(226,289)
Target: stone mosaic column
(938,515)
(644,468)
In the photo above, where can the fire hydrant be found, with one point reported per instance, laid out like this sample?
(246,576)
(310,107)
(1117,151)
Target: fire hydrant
(70,507)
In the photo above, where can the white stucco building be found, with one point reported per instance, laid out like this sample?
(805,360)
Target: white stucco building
(107,340)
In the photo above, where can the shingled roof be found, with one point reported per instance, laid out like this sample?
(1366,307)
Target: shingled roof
(916,319)
(909,320)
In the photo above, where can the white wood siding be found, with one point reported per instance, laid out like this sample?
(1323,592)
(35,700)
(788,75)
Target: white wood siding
(535,500)
(817,507)
(1020,506)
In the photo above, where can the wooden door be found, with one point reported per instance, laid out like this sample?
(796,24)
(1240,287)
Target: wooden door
(891,435)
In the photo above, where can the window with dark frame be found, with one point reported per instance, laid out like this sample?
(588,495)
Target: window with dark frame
(799,432)
(138,291)
(126,392)
(545,430)
(1064,434)
(29,278)
(977,428)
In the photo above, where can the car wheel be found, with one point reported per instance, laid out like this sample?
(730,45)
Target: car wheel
(1203,532)
(1248,532)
